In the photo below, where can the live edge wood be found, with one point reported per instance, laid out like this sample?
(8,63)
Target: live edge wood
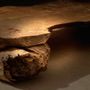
(19,64)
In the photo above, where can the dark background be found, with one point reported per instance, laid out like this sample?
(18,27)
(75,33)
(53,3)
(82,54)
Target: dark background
(32,2)
(22,2)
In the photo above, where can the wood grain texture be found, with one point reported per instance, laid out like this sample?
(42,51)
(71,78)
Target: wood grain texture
(20,65)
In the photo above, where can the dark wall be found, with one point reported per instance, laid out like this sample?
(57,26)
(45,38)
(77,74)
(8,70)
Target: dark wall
(33,2)
(22,2)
